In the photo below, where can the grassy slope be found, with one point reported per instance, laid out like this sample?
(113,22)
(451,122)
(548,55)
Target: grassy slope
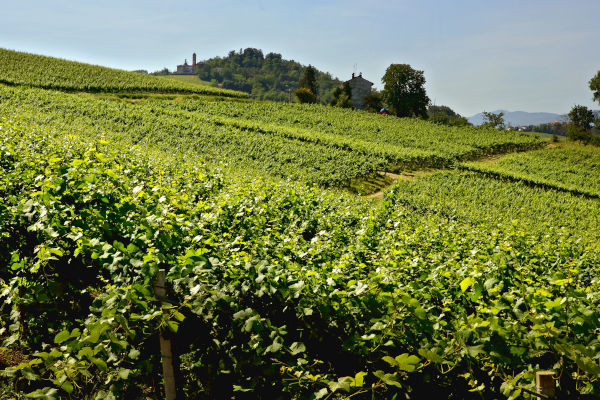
(18,68)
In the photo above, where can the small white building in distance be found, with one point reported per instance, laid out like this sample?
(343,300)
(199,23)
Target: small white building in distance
(360,88)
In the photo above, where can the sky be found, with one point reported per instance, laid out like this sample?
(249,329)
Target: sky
(533,55)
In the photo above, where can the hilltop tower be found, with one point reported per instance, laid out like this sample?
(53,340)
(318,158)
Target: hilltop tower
(188,69)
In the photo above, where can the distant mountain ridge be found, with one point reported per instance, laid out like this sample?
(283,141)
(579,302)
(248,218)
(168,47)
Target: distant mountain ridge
(522,118)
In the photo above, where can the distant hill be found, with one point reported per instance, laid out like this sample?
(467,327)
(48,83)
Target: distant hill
(522,118)
(265,77)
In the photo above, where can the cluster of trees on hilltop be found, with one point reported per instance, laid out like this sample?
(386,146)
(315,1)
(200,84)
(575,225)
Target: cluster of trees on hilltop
(265,77)
(446,116)
(404,94)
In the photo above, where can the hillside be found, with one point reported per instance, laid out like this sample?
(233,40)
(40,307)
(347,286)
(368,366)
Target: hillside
(314,144)
(265,77)
(476,268)
(18,68)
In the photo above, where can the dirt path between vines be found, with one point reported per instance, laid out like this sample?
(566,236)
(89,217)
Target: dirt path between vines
(405,176)
(411,175)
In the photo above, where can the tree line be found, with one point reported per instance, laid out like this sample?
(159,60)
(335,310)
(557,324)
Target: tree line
(404,95)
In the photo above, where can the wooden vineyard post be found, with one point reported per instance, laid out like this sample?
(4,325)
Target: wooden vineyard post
(166,350)
(544,384)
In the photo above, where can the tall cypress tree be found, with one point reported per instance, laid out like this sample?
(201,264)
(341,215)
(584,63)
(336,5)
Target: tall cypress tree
(309,80)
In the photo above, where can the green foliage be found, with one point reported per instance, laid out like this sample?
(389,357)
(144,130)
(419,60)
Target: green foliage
(493,121)
(305,96)
(287,292)
(404,91)
(579,129)
(52,73)
(488,196)
(309,80)
(163,72)
(455,285)
(188,78)
(578,133)
(595,86)
(581,116)
(76,264)
(265,77)
(446,116)
(554,128)
(571,168)
(373,101)
(312,143)
(342,96)
(405,143)
(279,150)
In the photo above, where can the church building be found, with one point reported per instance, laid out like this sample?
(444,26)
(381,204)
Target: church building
(187,69)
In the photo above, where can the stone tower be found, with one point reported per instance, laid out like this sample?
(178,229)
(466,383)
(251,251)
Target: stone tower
(194,60)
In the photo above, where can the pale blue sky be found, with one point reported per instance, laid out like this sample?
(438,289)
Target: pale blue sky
(528,55)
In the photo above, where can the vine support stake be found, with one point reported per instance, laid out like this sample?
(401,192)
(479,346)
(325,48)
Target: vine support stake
(166,350)
(544,383)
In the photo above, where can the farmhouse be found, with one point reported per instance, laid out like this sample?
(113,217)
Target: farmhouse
(360,88)
(186,68)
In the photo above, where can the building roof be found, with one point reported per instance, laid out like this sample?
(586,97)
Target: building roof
(359,78)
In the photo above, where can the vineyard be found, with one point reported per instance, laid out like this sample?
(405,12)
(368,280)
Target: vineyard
(447,142)
(303,151)
(51,73)
(570,168)
(461,283)
(475,198)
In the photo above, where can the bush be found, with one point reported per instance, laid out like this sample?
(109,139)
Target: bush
(373,101)
(304,95)
(579,133)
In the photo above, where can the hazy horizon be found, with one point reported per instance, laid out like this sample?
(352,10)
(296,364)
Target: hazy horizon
(534,57)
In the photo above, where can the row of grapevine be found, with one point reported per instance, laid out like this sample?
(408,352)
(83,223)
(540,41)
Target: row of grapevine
(473,197)
(572,168)
(279,153)
(279,291)
(459,142)
(20,68)
(308,153)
